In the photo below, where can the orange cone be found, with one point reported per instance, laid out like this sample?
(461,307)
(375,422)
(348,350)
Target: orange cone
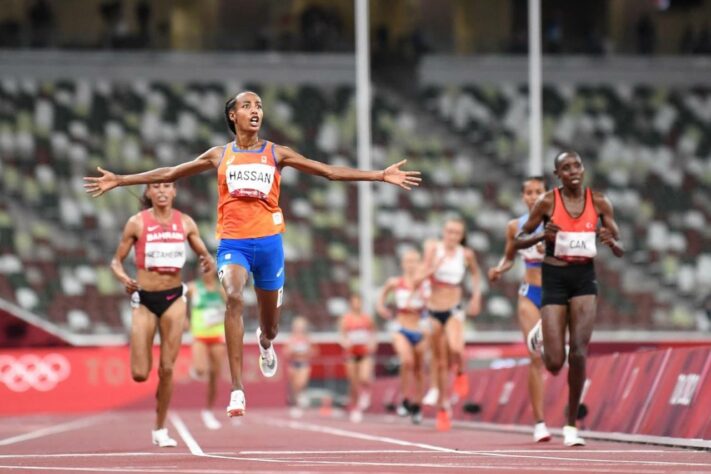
(326,406)
(444,422)
(461,385)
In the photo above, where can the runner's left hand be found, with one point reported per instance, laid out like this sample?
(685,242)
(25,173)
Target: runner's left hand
(207,264)
(98,186)
(606,237)
(405,179)
(495,274)
(474,307)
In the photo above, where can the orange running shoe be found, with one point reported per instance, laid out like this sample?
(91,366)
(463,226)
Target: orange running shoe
(461,385)
(444,422)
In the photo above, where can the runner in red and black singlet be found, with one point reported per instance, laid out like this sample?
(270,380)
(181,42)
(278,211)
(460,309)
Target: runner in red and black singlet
(158,234)
(575,218)
(357,331)
(299,352)
(411,293)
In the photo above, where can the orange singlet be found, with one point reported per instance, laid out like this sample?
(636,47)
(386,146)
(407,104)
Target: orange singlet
(359,332)
(575,242)
(248,193)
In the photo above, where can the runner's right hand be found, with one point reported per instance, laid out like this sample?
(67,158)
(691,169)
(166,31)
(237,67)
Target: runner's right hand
(550,231)
(495,274)
(130,285)
(98,186)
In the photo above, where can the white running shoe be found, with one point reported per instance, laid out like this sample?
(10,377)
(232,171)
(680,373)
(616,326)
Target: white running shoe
(356,416)
(237,404)
(267,357)
(402,410)
(364,401)
(210,421)
(431,397)
(541,433)
(571,438)
(296,412)
(161,439)
(534,339)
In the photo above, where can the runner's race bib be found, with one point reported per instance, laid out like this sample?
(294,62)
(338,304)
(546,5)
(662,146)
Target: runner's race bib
(575,244)
(165,256)
(532,253)
(213,316)
(359,337)
(253,180)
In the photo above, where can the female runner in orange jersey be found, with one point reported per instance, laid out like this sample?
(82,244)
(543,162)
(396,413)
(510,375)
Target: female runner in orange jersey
(299,351)
(574,217)
(249,221)
(357,331)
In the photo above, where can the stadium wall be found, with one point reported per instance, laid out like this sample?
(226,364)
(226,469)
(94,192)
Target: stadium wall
(654,394)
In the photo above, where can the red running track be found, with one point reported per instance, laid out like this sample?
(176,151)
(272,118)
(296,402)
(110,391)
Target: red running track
(270,441)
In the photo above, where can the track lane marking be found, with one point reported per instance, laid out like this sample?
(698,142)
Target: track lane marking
(184,433)
(299,425)
(358,435)
(50,430)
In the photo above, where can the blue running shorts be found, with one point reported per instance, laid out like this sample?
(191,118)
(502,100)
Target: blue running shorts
(532,292)
(263,257)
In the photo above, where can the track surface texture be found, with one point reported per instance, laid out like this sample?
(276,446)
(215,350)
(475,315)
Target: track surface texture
(271,441)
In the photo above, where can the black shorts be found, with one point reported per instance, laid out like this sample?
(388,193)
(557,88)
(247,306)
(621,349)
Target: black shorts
(560,284)
(358,358)
(157,302)
(443,316)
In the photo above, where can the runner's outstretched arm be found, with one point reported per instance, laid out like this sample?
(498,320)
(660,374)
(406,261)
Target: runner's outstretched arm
(96,186)
(392,174)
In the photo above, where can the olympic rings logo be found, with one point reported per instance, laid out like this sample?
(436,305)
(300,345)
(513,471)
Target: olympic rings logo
(32,371)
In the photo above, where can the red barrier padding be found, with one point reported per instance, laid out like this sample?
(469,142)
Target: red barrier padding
(659,393)
(64,380)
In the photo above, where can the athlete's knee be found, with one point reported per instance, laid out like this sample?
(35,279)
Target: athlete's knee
(456,355)
(537,362)
(198,372)
(553,362)
(578,354)
(407,364)
(213,373)
(139,375)
(235,303)
(165,371)
(442,363)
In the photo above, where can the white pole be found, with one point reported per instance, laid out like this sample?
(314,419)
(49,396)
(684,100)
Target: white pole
(535,157)
(365,197)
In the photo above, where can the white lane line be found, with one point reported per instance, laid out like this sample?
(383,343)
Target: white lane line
(298,425)
(185,434)
(462,453)
(470,466)
(345,451)
(169,469)
(605,461)
(597,435)
(587,451)
(50,430)
(89,455)
(354,434)
(91,469)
